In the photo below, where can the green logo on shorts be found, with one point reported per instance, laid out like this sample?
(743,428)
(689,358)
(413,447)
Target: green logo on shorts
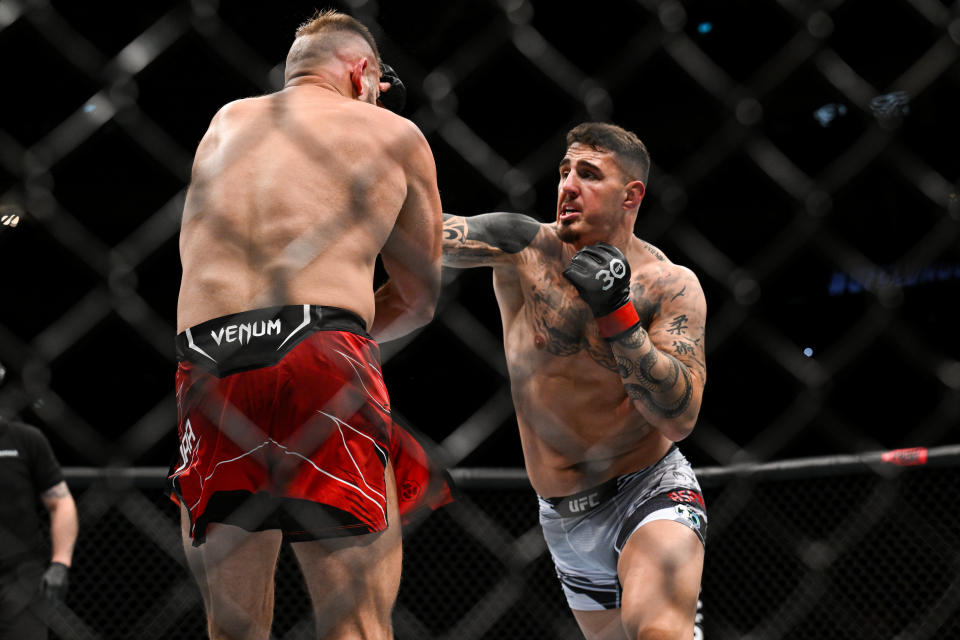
(688,514)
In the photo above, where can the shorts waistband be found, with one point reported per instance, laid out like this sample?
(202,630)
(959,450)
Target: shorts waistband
(259,337)
(584,501)
(589,499)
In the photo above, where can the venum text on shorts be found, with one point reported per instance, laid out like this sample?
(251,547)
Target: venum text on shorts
(243,332)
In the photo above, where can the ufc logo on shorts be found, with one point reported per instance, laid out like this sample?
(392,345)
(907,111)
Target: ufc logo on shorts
(187,443)
(584,503)
(615,272)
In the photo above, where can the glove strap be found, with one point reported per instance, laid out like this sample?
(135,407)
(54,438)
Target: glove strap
(619,321)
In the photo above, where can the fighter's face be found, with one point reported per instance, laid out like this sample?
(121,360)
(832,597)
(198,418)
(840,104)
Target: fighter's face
(590,195)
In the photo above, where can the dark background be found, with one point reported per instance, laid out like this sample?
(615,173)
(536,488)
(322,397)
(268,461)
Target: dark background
(839,236)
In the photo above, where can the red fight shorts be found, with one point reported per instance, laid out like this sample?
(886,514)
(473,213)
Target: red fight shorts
(284,423)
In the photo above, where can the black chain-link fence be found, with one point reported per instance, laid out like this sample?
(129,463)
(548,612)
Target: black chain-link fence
(805,167)
(831,548)
(834,551)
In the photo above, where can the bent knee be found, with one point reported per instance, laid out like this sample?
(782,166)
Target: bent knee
(661,629)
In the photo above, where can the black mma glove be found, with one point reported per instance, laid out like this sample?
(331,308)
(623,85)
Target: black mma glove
(395,97)
(55,581)
(601,275)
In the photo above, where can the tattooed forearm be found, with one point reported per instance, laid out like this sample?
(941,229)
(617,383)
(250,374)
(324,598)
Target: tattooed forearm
(468,256)
(475,240)
(457,251)
(646,376)
(633,339)
(654,378)
(657,403)
(624,366)
(661,362)
(454,229)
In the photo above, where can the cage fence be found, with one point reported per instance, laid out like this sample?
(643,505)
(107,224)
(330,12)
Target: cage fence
(835,547)
(830,276)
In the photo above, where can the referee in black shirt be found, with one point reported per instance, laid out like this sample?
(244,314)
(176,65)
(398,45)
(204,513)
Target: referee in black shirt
(28,472)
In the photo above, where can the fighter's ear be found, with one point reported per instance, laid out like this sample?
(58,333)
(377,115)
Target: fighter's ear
(356,75)
(633,194)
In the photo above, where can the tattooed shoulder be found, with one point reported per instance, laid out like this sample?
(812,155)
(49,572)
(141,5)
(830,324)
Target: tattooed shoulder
(654,252)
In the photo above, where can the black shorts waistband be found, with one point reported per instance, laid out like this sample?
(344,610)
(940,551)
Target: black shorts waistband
(584,501)
(259,337)
(589,499)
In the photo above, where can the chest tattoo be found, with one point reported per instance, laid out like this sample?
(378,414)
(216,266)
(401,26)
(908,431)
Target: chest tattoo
(555,316)
(563,325)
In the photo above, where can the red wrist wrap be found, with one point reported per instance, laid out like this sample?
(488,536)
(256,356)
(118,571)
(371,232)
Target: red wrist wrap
(617,322)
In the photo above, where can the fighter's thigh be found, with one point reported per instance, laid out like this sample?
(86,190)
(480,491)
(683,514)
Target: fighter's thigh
(194,557)
(239,567)
(356,572)
(660,569)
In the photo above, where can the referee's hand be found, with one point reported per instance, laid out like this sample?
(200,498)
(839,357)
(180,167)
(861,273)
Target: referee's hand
(55,581)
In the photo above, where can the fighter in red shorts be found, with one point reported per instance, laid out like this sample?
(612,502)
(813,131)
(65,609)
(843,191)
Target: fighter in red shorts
(285,424)
(284,420)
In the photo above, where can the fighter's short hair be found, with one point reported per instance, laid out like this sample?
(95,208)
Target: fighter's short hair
(630,151)
(331,20)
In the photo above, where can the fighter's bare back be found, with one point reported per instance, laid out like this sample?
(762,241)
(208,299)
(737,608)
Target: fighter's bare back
(578,426)
(292,197)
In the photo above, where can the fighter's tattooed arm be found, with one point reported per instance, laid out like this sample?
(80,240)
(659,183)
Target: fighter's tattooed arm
(662,366)
(488,239)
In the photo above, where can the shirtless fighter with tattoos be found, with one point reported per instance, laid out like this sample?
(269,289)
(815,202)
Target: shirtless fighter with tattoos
(604,341)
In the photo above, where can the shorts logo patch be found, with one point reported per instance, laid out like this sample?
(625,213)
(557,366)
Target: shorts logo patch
(410,490)
(187,443)
(687,495)
(243,332)
(584,504)
(688,514)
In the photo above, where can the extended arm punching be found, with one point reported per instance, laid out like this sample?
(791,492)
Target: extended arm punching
(666,388)
(485,240)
